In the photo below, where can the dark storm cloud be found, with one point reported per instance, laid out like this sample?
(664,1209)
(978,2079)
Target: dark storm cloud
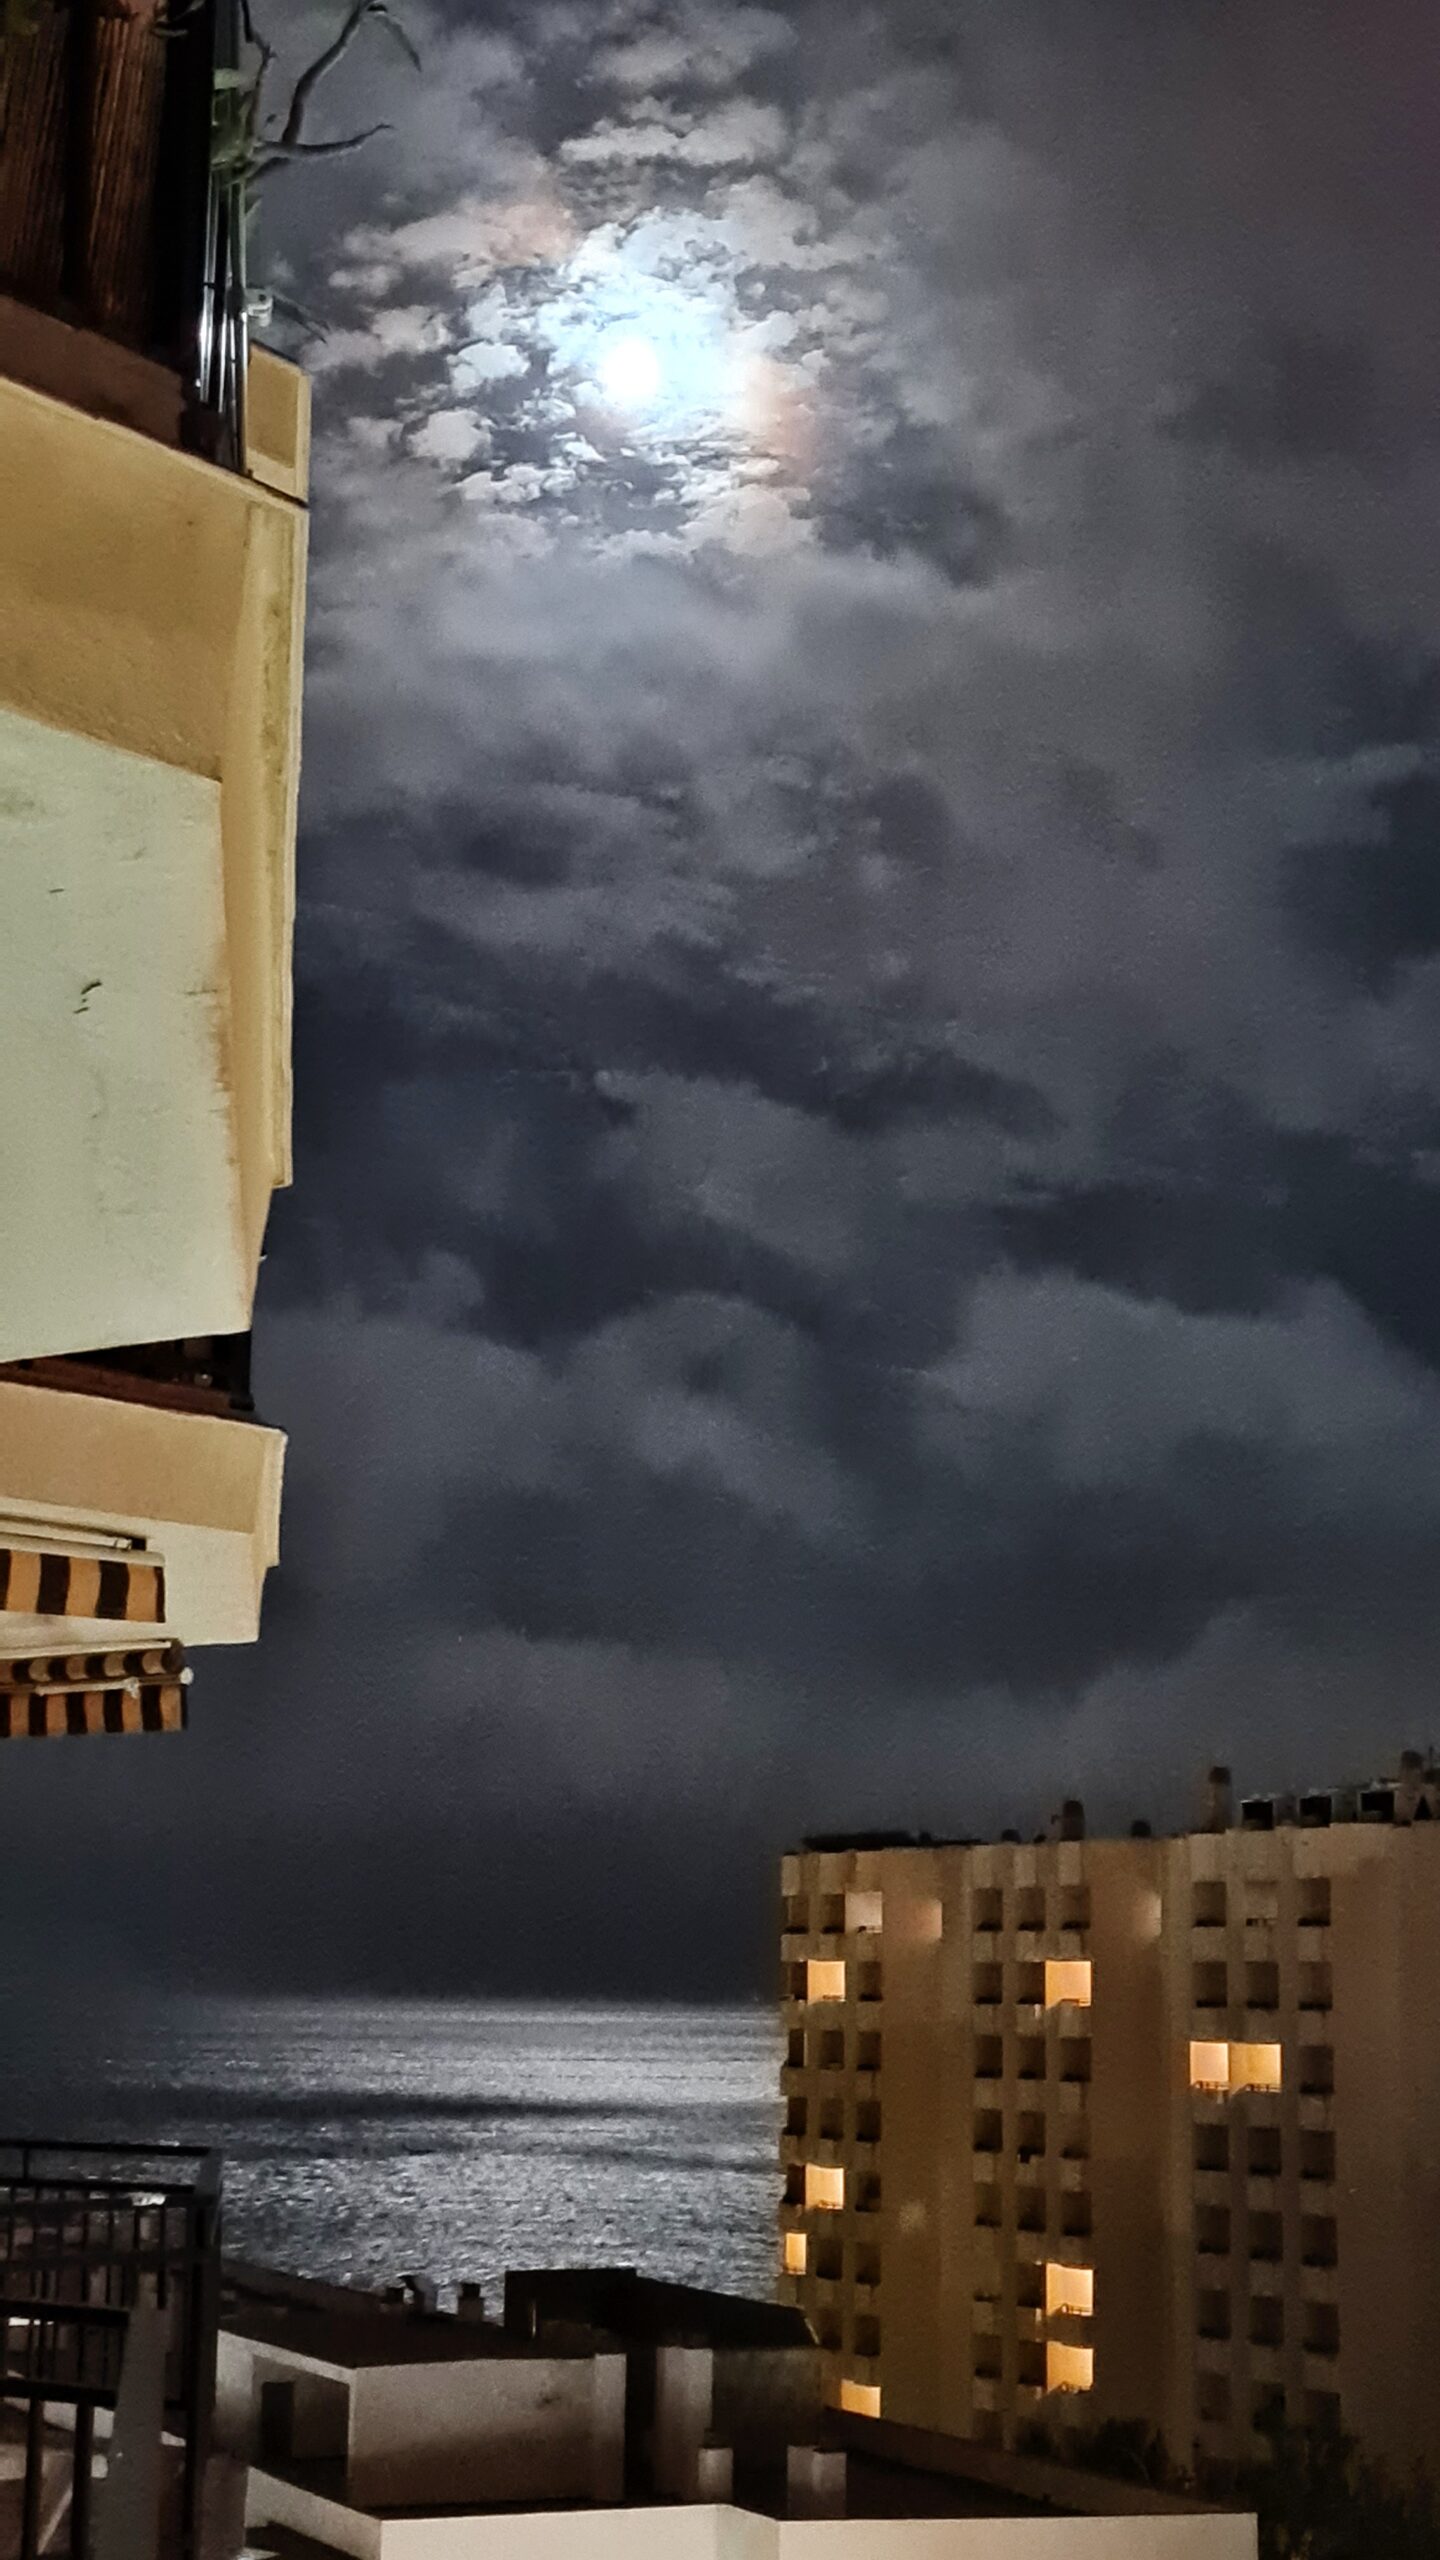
(867,1053)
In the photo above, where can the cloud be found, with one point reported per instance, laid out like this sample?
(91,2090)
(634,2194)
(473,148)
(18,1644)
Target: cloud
(868,1066)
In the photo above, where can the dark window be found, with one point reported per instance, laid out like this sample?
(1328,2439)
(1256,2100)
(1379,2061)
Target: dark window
(1212,2230)
(1317,2240)
(1212,2146)
(1317,2156)
(1262,2151)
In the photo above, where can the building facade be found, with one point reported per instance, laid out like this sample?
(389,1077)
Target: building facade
(153,474)
(1140,2130)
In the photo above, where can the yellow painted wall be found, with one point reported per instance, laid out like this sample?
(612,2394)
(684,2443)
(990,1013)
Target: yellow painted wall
(151,607)
(203,1491)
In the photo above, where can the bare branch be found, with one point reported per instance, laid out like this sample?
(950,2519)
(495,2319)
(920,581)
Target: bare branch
(311,77)
(280,155)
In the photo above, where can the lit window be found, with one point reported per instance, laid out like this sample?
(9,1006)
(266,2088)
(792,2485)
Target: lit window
(1070,2289)
(1209,2066)
(1069,1983)
(797,2251)
(1254,2066)
(864,1911)
(1235,2066)
(824,1980)
(824,2188)
(1069,2368)
(861,2399)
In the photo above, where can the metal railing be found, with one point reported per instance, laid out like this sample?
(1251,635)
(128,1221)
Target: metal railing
(93,2236)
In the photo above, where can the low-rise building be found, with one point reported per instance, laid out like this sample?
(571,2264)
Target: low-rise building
(612,2418)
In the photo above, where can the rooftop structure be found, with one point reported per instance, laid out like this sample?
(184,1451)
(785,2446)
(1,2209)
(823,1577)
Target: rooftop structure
(1134,2130)
(609,2417)
(152,550)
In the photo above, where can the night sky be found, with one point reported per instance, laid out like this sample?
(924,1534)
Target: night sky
(867,1217)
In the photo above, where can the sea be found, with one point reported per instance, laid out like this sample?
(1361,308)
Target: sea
(364,2140)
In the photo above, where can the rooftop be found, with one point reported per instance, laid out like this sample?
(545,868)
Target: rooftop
(350,2328)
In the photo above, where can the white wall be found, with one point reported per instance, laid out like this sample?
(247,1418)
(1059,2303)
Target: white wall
(497,2430)
(723,2533)
(1022,2538)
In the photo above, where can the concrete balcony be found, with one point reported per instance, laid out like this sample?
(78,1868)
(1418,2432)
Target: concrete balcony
(151,629)
(197,1492)
(1211,2186)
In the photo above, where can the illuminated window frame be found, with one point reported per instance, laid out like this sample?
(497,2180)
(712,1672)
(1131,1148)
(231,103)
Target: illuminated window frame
(860,2399)
(824,1979)
(1225,2069)
(796,2253)
(824,2188)
(1069,2291)
(1069,1982)
(1069,2368)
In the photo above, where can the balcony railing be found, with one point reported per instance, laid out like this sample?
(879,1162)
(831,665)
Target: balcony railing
(117,214)
(106,2250)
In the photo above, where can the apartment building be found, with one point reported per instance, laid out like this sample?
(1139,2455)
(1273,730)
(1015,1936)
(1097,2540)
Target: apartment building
(1081,2130)
(152,552)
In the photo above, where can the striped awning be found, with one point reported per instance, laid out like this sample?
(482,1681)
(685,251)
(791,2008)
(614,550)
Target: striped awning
(54,1582)
(46,1697)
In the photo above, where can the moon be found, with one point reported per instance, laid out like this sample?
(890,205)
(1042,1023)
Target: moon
(631,373)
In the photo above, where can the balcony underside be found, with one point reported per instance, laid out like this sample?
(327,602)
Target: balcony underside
(196,1492)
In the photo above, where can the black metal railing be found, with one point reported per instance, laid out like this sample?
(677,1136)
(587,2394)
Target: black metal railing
(117,211)
(90,2236)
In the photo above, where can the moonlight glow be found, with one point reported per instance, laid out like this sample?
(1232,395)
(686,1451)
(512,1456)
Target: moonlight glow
(631,372)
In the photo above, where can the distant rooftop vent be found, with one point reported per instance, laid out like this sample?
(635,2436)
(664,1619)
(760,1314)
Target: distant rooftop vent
(1219,1812)
(1266,1813)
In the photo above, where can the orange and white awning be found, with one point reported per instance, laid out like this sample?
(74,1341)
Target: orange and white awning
(54,1697)
(57,1582)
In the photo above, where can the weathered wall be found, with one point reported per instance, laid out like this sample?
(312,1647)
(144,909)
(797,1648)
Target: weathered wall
(151,629)
(500,2430)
